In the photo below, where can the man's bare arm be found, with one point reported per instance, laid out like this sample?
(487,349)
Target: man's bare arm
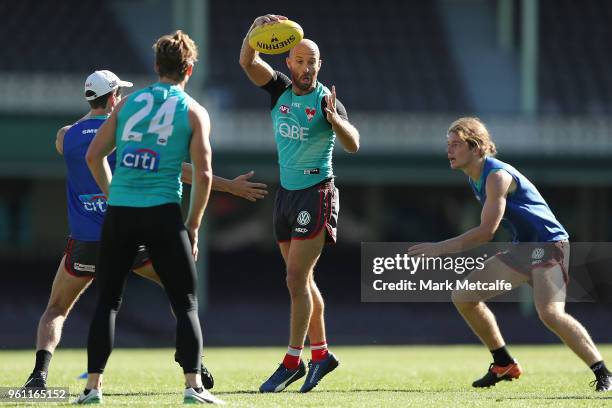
(239,186)
(59,139)
(258,71)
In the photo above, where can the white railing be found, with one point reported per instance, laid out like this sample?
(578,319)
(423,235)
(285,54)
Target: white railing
(426,133)
(381,132)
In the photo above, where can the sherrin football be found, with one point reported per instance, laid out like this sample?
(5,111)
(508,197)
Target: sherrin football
(276,38)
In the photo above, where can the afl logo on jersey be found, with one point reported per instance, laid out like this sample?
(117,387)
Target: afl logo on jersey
(284,109)
(141,159)
(303,218)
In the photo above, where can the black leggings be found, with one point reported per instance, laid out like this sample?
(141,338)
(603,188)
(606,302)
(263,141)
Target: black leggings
(161,229)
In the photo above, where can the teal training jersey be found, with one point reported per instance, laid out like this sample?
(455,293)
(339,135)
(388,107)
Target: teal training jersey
(304,138)
(153,136)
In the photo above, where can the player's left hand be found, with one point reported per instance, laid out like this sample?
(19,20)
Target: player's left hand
(427,249)
(242,187)
(330,110)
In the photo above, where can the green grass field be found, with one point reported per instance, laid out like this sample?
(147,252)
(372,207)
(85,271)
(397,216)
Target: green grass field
(403,376)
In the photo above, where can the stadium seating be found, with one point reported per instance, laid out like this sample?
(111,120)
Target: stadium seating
(575,59)
(397,59)
(68,36)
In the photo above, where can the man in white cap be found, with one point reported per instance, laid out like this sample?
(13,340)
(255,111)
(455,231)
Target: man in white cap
(102,82)
(86,210)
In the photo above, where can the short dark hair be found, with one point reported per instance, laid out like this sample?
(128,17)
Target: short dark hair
(100,101)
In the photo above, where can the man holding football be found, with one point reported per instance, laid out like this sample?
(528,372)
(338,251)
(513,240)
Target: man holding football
(307,118)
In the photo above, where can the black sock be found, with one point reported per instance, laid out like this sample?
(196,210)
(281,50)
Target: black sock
(86,391)
(199,390)
(501,357)
(600,369)
(43,358)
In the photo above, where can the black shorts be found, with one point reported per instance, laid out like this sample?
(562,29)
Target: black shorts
(301,214)
(81,258)
(525,257)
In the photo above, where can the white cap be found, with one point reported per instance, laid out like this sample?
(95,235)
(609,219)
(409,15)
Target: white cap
(103,82)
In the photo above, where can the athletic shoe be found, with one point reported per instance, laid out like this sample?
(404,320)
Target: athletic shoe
(317,370)
(602,383)
(192,396)
(92,397)
(282,377)
(38,379)
(498,373)
(207,379)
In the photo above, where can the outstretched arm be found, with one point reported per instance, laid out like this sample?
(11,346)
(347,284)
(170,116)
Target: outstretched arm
(258,71)
(497,186)
(239,186)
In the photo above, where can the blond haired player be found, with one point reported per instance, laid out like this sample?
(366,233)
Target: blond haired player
(539,253)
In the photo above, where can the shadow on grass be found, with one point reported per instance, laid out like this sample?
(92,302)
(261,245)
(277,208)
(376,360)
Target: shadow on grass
(403,391)
(328,391)
(140,394)
(561,397)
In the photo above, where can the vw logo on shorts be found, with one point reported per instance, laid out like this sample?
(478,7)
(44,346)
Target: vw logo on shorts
(537,254)
(303,218)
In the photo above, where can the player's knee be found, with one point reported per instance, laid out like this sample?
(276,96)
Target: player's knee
(317,305)
(185,304)
(462,300)
(297,282)
(56,309)
(550,315)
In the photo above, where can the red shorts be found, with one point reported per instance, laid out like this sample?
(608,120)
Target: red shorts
(526,257)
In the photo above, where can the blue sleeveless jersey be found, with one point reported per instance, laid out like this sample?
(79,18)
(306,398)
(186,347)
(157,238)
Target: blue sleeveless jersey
(86,202)
(527,215)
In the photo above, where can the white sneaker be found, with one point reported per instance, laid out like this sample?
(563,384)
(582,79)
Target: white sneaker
(191,396)
(93,397)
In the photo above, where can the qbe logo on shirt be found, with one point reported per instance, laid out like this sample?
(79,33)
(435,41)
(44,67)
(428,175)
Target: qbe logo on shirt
(141,159)
(93,202)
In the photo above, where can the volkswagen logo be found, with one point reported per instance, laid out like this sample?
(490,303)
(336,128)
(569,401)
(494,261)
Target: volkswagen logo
(303,218)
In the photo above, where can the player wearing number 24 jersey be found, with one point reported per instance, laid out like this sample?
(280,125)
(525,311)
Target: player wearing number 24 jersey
(154,131)
(148,168)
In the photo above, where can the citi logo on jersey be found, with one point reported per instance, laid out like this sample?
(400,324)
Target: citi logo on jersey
(141,159)
(93,202)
